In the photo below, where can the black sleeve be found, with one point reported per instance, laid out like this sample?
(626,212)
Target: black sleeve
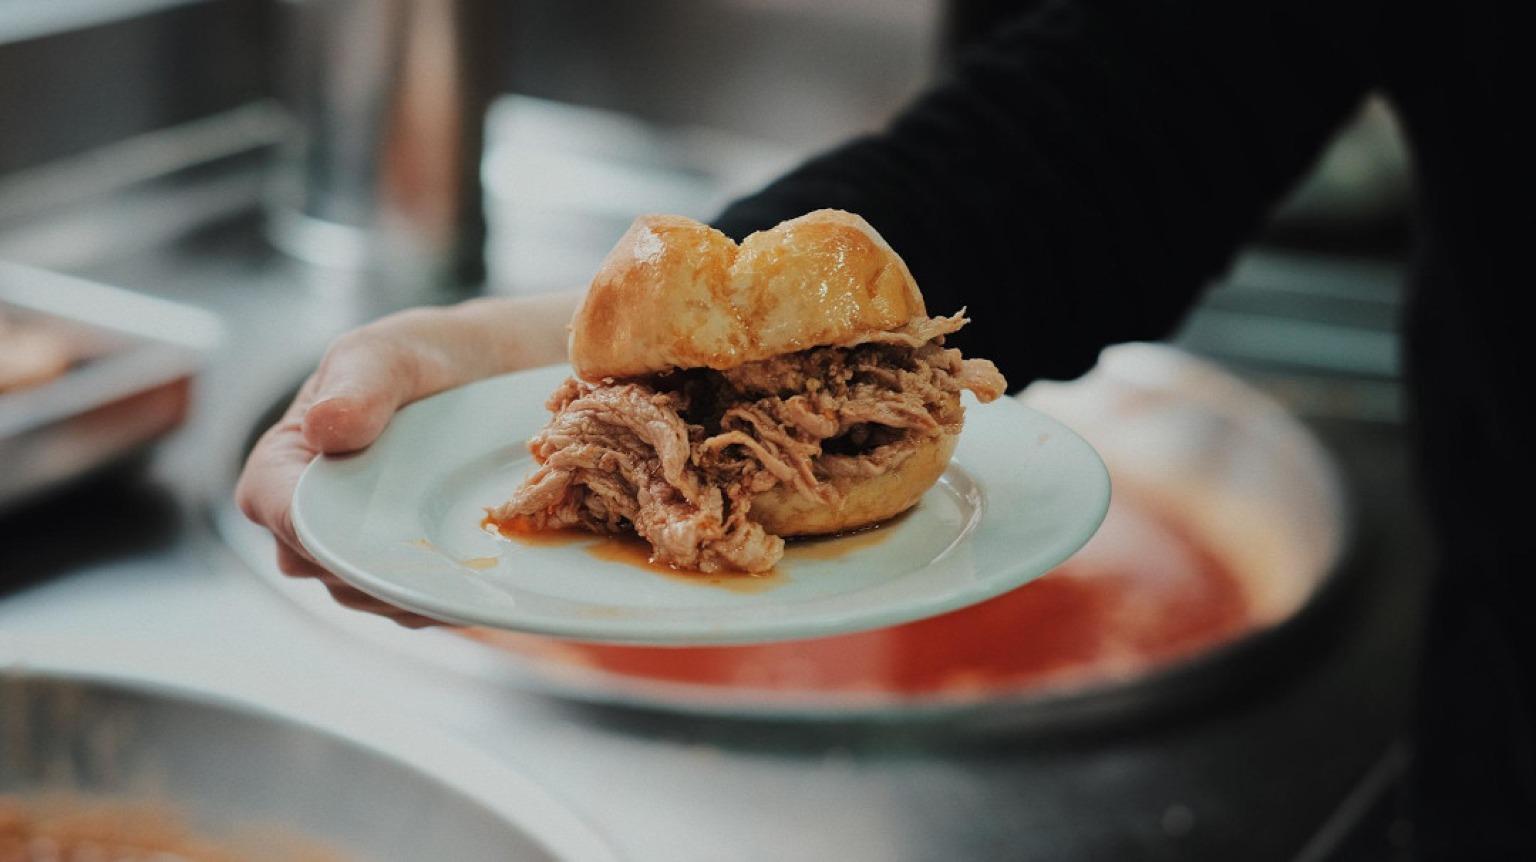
(1086,170)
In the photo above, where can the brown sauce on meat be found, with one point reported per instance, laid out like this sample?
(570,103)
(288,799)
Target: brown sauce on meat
(635,551)
(631,550)
(515,531)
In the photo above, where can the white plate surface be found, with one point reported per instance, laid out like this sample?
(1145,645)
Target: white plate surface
(402,521)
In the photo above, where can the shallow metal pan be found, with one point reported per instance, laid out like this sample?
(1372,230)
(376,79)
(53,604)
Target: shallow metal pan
(130,383)
(238,750)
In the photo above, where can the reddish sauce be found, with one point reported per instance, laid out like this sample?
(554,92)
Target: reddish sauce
(634,551)
(1142,593)
(523,534)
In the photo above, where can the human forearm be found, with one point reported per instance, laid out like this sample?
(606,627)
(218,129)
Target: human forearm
(365,377)
(1089,169)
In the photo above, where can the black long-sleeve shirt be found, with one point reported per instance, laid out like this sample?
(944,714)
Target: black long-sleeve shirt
(1084,172)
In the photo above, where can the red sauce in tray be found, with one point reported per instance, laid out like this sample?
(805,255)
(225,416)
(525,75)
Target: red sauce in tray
(1141,593)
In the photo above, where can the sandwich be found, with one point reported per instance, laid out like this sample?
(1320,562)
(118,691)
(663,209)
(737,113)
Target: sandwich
(728,397)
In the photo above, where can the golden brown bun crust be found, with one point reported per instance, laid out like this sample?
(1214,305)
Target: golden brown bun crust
(675,293)
(864,501)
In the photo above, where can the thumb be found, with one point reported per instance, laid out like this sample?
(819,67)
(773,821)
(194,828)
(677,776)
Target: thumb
(361,382)
(371,372)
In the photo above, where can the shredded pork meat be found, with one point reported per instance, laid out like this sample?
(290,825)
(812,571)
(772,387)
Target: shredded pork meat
(678,457)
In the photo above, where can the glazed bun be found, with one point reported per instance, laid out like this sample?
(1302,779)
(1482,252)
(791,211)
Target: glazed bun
(864,501)
(675,293)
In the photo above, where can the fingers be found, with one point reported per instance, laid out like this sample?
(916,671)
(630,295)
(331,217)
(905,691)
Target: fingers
(364,378)
(346,423)
(294,565)
(371,372)
(264,491)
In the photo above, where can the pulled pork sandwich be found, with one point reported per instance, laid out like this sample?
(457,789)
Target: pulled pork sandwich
(728,396)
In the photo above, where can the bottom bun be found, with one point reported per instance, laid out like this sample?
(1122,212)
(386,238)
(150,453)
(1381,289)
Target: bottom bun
(863,502)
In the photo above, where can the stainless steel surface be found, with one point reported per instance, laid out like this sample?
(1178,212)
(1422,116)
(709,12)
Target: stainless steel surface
(136,360)
(563,181)
(381,171)
(802,73)
(124,722)
(80,74)
(32,19)
(1248,771)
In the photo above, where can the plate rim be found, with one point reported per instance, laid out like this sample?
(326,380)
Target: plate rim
(664,633)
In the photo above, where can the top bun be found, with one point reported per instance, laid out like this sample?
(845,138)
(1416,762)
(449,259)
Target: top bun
(675,293)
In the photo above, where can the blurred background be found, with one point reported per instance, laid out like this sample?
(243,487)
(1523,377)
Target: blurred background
(196,195)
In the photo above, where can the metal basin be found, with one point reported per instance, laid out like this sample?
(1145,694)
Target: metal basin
(135,724)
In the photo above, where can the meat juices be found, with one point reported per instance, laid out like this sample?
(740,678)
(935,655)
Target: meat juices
(677,457)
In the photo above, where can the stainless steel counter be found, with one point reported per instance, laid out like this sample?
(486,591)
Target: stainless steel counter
(1254,771)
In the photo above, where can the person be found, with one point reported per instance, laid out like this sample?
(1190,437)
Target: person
(1076,180)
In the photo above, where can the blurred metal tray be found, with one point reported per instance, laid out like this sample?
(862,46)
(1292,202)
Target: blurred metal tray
(130,384)
(135,722)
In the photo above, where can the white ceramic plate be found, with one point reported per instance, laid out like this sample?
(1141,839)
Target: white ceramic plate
(402,521)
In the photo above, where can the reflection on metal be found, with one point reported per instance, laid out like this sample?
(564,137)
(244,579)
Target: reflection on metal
(381,170)
(133,361)
(243,750)
(33,19)
(562,182)
(1318,331)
